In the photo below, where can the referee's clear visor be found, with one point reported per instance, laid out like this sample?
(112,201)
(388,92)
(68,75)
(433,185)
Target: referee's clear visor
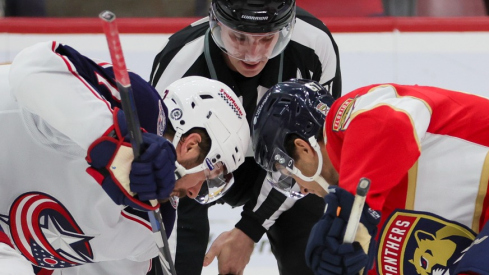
(280,174)
(250,47)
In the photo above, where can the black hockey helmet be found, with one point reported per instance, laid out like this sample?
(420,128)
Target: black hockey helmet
(240,25)
(255,16)
(297,107)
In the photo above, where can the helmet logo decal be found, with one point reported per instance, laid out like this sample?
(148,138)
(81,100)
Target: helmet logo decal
(209,164)
(254,18)
(314,86)
(166,93)
(231,102)
(260,107)
(176,114)
(323,108)
(161,124)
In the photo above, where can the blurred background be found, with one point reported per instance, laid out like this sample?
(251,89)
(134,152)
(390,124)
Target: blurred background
(197,8)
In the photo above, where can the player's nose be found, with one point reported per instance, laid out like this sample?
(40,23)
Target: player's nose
(193,191)
(304,190)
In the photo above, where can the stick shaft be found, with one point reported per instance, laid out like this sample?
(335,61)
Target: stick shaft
(356,210)
(130,111)
(123,81)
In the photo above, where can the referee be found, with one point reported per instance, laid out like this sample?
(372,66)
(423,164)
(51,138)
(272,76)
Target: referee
(250,45)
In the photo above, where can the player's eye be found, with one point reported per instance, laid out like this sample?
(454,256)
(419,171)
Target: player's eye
(240,37)
(268,38)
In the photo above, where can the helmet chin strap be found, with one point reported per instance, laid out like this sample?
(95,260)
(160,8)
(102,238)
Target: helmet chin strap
(317,176)
(180,171)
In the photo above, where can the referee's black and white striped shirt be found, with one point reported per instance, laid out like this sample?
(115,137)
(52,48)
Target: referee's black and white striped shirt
(311,54)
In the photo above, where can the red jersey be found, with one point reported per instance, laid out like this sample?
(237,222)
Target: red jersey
(425,150)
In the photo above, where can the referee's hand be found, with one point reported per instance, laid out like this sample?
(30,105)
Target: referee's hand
(233,251)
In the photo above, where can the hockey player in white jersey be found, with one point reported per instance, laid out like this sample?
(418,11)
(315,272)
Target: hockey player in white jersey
(61,119)
(11,262)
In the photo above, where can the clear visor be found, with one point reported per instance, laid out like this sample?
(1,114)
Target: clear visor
(250,47)
(280,173)
(217,181)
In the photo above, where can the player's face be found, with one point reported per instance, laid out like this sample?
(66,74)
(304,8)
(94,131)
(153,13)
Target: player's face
(189,185)
(247,53)
(188,152)
(308,165)
(246,69)
(195,173)
(308,169)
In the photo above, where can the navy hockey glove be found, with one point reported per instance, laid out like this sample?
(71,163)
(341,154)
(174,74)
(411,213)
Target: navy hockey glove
(474,258)
(326,254)
(128,181)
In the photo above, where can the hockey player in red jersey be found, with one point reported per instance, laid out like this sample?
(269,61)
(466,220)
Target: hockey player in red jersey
(61,119)
(425,151)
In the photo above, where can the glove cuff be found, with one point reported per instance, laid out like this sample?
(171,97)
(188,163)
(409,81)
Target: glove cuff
(117,193)
(110,158)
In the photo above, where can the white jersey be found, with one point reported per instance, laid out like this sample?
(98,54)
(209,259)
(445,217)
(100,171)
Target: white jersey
(57,215)
(11,262)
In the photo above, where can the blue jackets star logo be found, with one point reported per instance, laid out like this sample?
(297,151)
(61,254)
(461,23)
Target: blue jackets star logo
(45,232)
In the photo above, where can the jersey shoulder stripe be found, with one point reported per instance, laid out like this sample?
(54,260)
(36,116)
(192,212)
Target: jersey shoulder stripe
(174,44)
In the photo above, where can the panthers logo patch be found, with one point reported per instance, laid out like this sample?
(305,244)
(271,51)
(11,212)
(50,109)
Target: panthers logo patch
(414,242)
(342,116)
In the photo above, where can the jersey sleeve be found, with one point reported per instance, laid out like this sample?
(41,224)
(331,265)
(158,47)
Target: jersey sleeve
(261,212)
(48,85)
(72,96)
(376,135)
(325,48)
(179,52)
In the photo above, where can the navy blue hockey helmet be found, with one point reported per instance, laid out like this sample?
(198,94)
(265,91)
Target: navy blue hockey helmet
(295,107)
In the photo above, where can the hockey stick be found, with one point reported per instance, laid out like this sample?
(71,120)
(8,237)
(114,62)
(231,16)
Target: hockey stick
(356,210)
(132,120)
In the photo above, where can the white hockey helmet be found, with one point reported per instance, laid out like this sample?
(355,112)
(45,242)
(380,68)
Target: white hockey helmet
(199,102)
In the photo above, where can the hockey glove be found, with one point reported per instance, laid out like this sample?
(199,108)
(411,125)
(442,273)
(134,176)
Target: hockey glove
(128,181)
(474,258)
(326,254)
